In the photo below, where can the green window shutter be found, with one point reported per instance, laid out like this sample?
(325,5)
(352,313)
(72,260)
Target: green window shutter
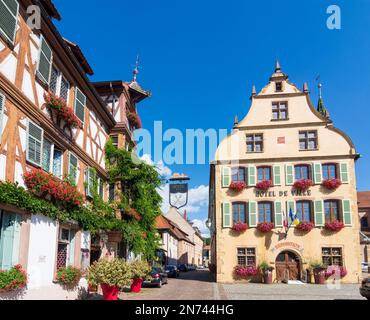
(277,175)
(72,168)
(226,215)
(317,173)
(279,220)
(290,205)
(89,179)
(80,103)
(289,174)
(9,240)
(344,175)
(9,17)
(347,212)
(252,176)
(319,213)
(71,251)
(34,143)
(226,177)
(45,61)
(2,107)
(252,213)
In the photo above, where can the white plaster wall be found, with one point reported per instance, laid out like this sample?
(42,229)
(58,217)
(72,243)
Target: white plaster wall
(19,174)
(42,251)
(9,67)
(27,86)
(2,167)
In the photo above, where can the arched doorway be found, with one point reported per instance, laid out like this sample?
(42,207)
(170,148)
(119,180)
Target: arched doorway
(288,266)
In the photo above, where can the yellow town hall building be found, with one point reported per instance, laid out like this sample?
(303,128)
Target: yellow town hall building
(256,181)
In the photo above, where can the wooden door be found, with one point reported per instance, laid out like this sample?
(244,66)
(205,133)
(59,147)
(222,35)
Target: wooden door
(287,266)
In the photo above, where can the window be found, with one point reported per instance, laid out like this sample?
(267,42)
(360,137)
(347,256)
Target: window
(264,173)
(255,143)
(9,17)
(364,222)
(329,171)
(46,155)
(239,213)
(279,111)
(304,209)
(101,187)
(246,257)
(34,143)
(332,257)
(57,163)
(278,86)
(111,192)
(265,212)
(66,248)
(72,168)
(115,141)
(238,174)
(302,172)
(331,210)
(308,140)
(58,84)
(89,179)
(44,63)
(80,103)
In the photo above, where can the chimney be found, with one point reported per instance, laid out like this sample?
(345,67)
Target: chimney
(185,216)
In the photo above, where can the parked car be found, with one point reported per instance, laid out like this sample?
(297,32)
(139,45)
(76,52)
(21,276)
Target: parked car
(159,277)
(365,288)
(201,267)
(172,271)
(183,267)
(192,267)
(365,267)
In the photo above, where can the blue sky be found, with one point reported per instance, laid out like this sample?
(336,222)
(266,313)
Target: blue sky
(201,58)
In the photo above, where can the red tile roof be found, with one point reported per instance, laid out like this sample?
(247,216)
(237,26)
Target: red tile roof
(363,199)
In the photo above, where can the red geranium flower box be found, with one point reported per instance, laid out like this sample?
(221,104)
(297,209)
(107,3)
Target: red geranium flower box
(240,227)
(265,227)
(264,185)
(237,186)
(303,184)
(244,272)
(334,226)
(63,112)
(134,120)
(335,271)
(332,184)
(305,226)
(45,185)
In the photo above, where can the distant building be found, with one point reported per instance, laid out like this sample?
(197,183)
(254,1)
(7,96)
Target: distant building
(206,255)
(364,215)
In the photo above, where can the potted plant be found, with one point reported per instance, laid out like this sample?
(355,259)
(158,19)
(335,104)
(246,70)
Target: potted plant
(303,184)
(110,275)
(245,271)
(264,185)
(336,271)
(240,227)
(334,226)
(266,271)
(305,226)
(69,276)
(237,186)
(140,271)
(318,272)
(13,279)
(331,184)
(265,227)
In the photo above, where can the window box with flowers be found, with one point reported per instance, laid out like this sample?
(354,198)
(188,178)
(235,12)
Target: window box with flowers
(331,184)
(240,227)
(69,277)
(264,185)
(134,120)
(303,184)
(12,280)
(60,111)
(244,272)
(45,185)
(305,226)
(237,186)
(336,272)
(334,226)
(265,227)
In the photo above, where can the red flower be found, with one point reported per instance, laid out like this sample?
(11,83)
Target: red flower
(237,186)
(303,184)
(265,227)
(332,184)
(334,226)
(245,271)
(305,226)
(264,185)
(240,227)
(134,119)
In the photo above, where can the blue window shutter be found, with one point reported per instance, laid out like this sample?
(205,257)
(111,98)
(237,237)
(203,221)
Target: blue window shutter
(9,240)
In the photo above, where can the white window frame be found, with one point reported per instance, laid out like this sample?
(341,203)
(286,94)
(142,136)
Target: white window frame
(58,88)
(39,165)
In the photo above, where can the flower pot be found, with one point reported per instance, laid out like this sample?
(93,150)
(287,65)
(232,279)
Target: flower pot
(136,285)
(319,276)
(110,293)
(267,277)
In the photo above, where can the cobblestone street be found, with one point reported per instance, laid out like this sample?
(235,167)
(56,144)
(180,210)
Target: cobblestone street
(199,286)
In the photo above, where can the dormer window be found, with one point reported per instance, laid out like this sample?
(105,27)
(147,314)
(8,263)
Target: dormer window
(278,86)
(279,111)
